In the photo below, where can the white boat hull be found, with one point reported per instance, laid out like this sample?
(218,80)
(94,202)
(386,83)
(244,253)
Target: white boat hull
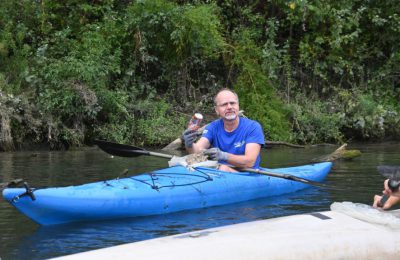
(324,235)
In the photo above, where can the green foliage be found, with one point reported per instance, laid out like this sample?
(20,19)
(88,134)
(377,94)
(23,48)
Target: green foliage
(308,71)
(257,97)
(118,132)
(339,42)
(114,121)
(19,120)
(159,125)
(368,119)
(171,45)
(174,32)
(349,114)
(276,60)
(315,121)
(91,59)
(14,55)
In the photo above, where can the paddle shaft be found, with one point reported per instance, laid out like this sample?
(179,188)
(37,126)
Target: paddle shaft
(281,175)
(124,150)
(163,155)
(144,152)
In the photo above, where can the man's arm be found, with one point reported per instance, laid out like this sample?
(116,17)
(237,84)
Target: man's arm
(392,200)
(252,151)
(248,159)
(199,146)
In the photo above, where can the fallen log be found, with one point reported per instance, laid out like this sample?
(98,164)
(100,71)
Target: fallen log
(340,153)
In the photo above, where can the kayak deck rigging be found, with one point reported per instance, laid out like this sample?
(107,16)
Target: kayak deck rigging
(154,177)
(152,182)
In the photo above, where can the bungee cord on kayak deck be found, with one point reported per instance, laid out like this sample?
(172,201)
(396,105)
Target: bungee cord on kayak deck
(206,177)
(153,178)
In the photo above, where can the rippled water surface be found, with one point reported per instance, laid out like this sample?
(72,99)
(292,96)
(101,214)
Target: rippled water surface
(21,238)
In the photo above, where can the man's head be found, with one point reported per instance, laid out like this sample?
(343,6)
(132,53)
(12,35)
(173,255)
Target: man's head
(226,104)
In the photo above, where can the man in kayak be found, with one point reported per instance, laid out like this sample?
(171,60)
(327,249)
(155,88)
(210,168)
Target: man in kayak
(230,140)
(393,197)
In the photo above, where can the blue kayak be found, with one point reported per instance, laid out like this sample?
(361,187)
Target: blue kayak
(163,191)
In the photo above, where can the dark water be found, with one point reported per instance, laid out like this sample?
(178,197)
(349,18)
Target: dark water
(20,238)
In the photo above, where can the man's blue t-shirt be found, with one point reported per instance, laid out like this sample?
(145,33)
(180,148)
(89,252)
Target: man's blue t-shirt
(234,142)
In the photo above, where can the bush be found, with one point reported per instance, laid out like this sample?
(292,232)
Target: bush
(257,96)
(316,121)
(158,124)
(368,119)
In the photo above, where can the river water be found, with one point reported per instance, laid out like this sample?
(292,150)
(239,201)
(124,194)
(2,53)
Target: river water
(21,238)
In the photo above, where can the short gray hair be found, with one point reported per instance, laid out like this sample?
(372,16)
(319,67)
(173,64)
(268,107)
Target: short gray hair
(222,90)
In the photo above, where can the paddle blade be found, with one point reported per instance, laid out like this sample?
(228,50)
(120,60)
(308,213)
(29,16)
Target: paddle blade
(390,172)
(121,150)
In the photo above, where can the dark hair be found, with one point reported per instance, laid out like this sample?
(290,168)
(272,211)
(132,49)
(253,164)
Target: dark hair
(225,89)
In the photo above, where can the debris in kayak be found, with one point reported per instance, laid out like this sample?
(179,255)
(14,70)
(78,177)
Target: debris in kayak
(193,160)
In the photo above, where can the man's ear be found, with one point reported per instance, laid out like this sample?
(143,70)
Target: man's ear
(216,110)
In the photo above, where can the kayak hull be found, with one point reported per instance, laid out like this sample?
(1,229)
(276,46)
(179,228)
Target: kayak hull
(160,192)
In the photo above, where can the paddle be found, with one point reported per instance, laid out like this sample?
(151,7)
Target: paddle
(124,150)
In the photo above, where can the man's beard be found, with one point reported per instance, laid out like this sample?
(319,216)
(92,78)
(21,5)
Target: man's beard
(230,117)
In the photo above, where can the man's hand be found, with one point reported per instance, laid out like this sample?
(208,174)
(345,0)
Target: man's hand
(189,136)
(377,201)
(216,154)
